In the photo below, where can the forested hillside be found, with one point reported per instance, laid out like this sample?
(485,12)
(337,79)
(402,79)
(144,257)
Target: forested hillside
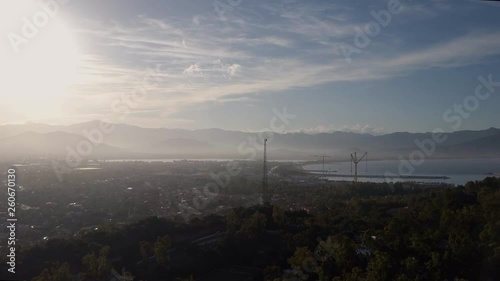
(363,232)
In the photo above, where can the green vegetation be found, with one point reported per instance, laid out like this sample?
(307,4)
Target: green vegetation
(363,232)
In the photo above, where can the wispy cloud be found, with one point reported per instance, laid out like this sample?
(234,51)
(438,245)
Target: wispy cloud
(203,60)
(472,48)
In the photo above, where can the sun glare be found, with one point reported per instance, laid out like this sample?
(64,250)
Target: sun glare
(38,76)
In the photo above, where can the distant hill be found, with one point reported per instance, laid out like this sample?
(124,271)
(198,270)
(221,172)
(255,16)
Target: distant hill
(127,141)
(12,130)
(54,144)
(488,146)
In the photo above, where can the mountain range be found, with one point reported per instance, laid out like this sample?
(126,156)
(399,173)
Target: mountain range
(127,141)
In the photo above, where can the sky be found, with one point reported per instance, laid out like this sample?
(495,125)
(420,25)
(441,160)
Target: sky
(361,66)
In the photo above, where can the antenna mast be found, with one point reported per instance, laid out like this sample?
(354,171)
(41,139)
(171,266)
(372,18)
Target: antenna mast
(265,198)
(355,160)
(323,171)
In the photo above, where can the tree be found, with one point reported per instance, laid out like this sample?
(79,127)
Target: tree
(233,221)
(379,267)
(146,249)
(161,246)
(254,225)
(279,215)
(58,272)
(98,267)
(356,274)
(303,262)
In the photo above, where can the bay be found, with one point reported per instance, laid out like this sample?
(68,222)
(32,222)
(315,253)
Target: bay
(459,171)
